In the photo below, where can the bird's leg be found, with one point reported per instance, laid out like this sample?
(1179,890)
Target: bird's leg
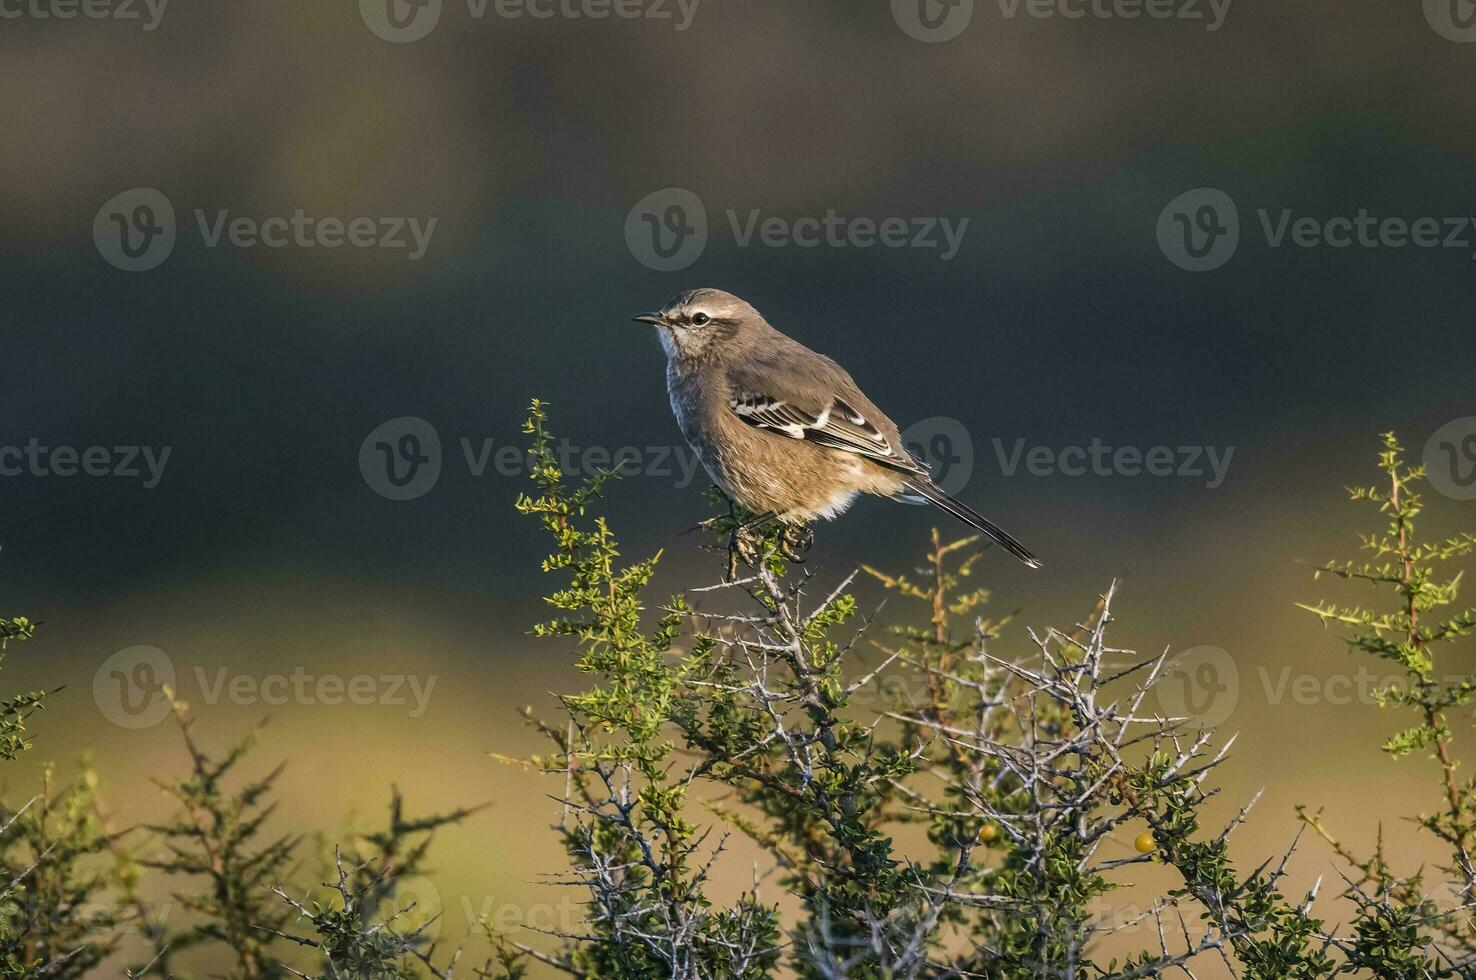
(743,543)
(796,540)
(732,540)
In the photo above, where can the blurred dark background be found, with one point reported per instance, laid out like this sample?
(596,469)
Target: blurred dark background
(537,145)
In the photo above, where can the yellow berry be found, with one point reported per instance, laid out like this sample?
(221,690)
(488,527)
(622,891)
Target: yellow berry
(1145,843)
(988,832)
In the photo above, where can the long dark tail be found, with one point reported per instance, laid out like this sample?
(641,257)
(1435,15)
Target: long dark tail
(933,495)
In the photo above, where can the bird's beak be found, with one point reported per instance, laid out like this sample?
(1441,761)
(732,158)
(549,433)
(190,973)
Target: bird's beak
(654,319)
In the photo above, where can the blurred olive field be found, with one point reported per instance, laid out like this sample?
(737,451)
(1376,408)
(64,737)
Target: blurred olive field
(278,280)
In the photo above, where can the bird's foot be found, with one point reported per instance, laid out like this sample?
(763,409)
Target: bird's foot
(796,541)
(743,545)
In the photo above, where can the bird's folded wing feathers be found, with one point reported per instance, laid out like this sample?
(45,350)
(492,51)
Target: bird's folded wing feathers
(816,414)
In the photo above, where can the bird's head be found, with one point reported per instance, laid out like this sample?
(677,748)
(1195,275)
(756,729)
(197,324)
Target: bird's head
(702,324)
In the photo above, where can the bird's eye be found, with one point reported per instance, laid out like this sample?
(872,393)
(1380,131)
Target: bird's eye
(700,318)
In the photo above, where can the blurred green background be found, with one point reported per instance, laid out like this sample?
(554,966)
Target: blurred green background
(264,549)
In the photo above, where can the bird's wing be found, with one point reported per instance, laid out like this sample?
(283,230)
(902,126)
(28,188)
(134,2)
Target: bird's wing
(815,400)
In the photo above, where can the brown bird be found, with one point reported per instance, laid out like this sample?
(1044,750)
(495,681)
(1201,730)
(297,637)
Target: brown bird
(781,429)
